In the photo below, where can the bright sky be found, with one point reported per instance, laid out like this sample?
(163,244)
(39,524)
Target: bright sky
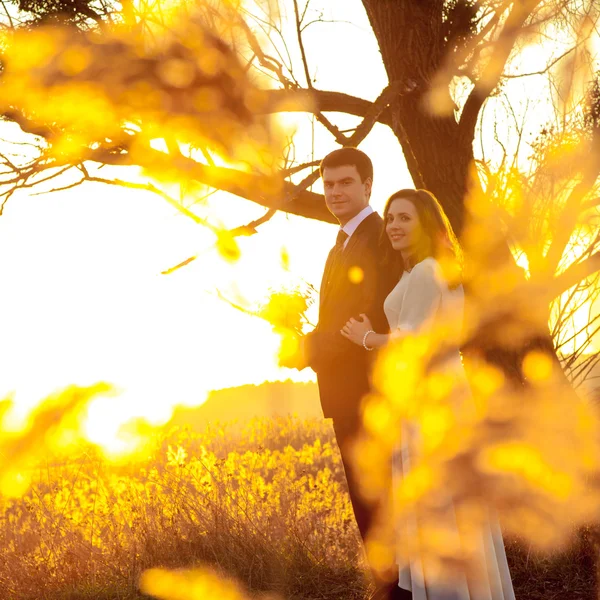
(84,299)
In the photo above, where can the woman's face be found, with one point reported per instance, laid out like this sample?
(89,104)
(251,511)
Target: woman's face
(403,226)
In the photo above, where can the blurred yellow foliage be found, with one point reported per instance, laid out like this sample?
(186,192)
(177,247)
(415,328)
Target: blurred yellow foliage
(285,311)
(188,585)
(53,424)
(537,367)
(228,497)
(503,432)
(227,246)
(115,88)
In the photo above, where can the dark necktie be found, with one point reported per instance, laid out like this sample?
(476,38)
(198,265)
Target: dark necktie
(342,236)
(334,258)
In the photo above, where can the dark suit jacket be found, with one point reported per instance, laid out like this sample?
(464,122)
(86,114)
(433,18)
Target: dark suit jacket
(343,367)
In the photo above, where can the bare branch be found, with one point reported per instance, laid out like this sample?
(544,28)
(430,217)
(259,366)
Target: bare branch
(372,112)
(266,61)
(309,180)
(319,101)
(375,111)
(572,210)
(183,263)
(257,188)
(492,73)
(250,228)
(301,42)
(237,306)
(547,68)
(291,170)
(574,274)
(149,187)
(7,13)
(589,204)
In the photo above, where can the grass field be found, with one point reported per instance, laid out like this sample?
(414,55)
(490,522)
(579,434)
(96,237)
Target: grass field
(264,503)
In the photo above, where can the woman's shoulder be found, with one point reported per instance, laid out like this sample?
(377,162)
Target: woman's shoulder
(428,270)
(427,267)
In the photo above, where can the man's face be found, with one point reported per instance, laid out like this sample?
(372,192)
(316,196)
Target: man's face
(345,194)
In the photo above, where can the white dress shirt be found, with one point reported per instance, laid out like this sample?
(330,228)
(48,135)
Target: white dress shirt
(352,225)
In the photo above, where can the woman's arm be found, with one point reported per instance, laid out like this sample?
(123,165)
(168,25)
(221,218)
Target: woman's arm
(420,303)
(362,333)
(376,340)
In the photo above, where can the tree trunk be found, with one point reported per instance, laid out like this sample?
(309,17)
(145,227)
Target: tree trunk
(412,40)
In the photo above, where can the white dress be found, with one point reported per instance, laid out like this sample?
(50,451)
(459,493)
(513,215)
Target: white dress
(419,299)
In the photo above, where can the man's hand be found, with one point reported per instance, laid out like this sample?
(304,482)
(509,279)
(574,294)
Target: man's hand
(292,353)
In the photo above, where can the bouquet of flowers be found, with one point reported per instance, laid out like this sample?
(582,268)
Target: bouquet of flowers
(286,310)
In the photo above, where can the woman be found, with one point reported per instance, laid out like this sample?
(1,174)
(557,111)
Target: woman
(420,243)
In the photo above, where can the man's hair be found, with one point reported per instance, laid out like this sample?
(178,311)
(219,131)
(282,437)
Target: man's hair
(349,156)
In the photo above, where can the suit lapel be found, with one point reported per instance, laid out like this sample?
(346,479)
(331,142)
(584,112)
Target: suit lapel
(337,265)
(328,274)
(349,251)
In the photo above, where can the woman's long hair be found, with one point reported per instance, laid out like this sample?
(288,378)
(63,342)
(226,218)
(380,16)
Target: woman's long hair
(439,241)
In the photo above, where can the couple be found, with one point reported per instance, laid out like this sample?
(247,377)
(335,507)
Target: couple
(382,280)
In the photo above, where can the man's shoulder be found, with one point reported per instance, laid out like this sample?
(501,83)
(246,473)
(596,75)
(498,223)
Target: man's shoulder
(372,224)
(366,248)
(374,217)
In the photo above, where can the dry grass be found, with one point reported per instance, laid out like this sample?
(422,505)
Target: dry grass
(265,504)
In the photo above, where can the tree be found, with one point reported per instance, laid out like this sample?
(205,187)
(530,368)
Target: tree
(443,43)
(100,95)
(456,55)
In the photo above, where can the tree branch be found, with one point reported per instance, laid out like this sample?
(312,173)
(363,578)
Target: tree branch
(319,101)
(572,207)
(372,112)
(375,111)
(492,73)
(250,228)
(574,274)
(295,169)
(266,61)
(340,138)
(84,9)
(301,43)
(270,192)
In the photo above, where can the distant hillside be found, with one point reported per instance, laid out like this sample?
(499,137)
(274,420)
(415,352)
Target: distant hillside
(280,398)
(277,398)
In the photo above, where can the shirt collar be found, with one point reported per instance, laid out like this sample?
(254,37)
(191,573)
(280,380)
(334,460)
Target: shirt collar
(352,225)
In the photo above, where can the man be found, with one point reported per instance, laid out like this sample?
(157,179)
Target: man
(354,283)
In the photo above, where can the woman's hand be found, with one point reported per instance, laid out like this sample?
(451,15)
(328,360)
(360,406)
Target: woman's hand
(355,330)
